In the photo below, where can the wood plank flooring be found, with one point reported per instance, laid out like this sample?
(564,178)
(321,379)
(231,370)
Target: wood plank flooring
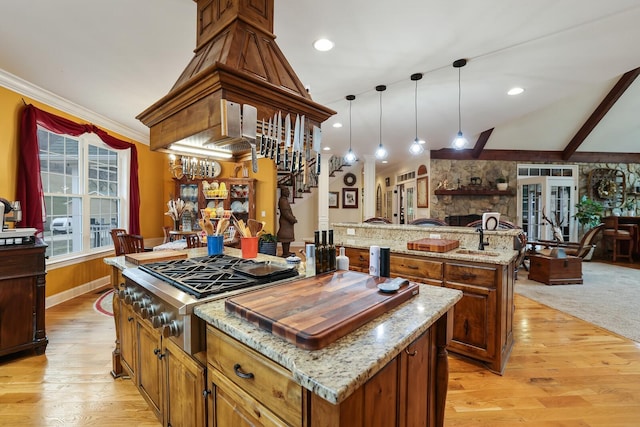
(562,372)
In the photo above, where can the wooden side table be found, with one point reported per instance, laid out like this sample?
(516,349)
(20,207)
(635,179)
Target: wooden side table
(555,271)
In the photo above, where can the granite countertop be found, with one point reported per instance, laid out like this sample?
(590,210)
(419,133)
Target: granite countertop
(336,371)
(488,256)
(500,250)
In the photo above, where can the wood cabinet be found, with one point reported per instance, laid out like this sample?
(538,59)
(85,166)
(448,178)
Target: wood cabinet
(247,389)
(238,197)
(22,297)
(483,318)
(170,380)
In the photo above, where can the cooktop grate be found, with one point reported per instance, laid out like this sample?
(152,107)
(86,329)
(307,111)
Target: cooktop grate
(205,276)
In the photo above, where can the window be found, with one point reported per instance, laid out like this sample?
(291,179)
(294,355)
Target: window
(85,185)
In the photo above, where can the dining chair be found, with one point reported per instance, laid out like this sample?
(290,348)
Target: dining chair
(426,222)
(193,241)
(132,243)
(377,220)
(167,236)
(117,244)
(618,236)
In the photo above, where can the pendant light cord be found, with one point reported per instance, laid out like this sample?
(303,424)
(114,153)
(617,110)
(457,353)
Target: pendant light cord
(415,99)
(459,101)
(380,138)
(350,125)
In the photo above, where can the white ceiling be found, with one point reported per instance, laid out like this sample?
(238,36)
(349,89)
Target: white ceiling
(118,57)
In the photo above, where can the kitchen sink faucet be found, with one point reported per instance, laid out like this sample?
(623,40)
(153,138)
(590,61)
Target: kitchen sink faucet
(482,243)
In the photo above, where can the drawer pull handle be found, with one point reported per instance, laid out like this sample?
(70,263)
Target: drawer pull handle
(412,267)
(361,258)
(467,276)
(466,327)
(246,375)
(413,353)
(130,319)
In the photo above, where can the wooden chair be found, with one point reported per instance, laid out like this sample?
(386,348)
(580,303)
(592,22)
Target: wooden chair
(131,243)
(193,241)
(579,249)
(117,245)
(502,224)
(613,233)
(377,220)
(167,236)
(426,222)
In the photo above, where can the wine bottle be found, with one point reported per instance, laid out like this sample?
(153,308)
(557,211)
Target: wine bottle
(325,252)
(331,249)
(316,239)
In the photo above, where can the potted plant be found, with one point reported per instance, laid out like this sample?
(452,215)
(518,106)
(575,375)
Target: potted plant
(588,212)
(501,183)
(268,244)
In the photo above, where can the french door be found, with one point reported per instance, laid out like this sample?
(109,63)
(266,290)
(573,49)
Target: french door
(555,197)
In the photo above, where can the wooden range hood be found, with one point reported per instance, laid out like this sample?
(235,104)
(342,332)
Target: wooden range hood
(236,59)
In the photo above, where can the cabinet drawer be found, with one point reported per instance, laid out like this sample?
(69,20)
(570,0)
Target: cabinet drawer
(420,270)
(358,259)
(264,380)
(21,263)
(471,274)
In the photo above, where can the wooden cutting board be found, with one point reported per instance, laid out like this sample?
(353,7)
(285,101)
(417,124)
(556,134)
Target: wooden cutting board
(157,256)
(433,245)
(314,312)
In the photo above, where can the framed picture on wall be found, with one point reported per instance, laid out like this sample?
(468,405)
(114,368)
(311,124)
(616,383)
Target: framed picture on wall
(423,185)
(349,198)
(334,199)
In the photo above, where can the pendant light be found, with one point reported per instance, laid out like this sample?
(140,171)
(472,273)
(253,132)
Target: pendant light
(381,152)
(460,141)
(350,157)
(416,145)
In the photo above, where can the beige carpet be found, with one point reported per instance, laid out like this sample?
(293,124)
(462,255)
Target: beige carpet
(609,297)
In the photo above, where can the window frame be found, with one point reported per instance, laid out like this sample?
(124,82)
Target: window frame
(124,164)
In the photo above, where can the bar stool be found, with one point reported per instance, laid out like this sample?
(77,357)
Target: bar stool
(613,233)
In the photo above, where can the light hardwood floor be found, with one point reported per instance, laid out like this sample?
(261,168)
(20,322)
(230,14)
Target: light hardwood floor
(562,372)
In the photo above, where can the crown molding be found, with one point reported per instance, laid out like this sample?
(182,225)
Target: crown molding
(39,94)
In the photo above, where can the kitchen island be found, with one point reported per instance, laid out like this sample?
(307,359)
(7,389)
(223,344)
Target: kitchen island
(483,319)
(391,371)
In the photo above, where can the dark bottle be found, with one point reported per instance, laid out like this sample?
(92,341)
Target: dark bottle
(316,239)
(331,249)
(325,252)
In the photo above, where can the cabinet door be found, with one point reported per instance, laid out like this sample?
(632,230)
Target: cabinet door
(474,321)
(127,338)
(358,259)
(185,382)
(231,406)
(149,366)
(416,382)
(17,308)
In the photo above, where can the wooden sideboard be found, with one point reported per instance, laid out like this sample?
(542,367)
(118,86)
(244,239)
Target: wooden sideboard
(22,296)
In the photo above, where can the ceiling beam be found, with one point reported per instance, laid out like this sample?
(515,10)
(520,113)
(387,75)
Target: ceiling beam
(535,156)
(481,142)
(612,97)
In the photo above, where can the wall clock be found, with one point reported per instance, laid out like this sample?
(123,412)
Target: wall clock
(349,179)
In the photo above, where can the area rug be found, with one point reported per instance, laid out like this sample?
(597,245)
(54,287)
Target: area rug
(609,297)
(104,303)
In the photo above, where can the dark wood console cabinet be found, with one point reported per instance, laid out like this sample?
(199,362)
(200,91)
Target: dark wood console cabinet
(22,295)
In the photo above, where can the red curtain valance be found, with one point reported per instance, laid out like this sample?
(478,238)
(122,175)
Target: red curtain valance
(30,192)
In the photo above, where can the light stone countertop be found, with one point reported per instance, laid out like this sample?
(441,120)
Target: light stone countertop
(336,371)
(500,250)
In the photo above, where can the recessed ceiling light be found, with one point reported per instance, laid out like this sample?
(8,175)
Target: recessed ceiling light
(326,148)
(385,161)
(323,45)
(515,91)
(337,125)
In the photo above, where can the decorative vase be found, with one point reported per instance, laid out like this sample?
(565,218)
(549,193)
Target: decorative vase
(502,186)
(176,225)
(268,248)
